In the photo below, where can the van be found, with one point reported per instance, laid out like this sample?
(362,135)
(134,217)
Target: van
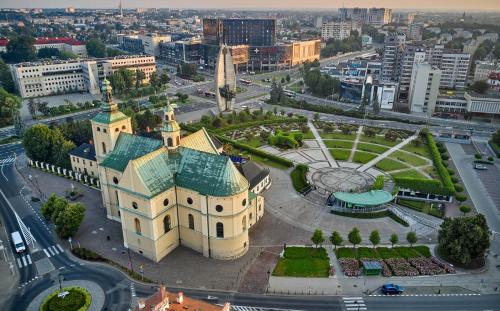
(18,242)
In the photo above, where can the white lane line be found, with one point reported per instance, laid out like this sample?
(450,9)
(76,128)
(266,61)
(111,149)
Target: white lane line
(29,259)
(352,298)
(46,253)
(19,264)
(59,246)
(24,261)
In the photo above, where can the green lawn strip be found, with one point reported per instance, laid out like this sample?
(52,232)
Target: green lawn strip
(421,206)
(345,252)
(423,250)
(298,176)
(379,140)
(372,215)
(338,144)
(363,157)
(388,165)
(77,299)
(337,135)
(367,252)
(9,140)
(254,142)
(421,150)
(431,170)
(340,154)
(407,252)
(409,173)
(387,253)
(372,148)
(383,252)
(259,159)
(408,158)
(303,262)
(308,135)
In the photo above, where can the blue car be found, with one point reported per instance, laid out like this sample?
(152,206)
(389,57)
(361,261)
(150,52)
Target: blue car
(392,289)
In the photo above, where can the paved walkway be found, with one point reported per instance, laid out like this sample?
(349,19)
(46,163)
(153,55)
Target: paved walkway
(95,291)
(355,145)
(322,145)
(387,153)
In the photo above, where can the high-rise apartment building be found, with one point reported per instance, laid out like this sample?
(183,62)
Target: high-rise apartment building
(424,88)
(413,54)
(379,17)
(354,14)
(239,31)
(337,30)
(394,47)
(454,67)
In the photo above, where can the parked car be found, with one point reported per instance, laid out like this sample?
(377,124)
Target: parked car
(392,289)
(480,167)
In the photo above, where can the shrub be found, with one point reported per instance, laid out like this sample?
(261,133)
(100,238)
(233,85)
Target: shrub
(454,180)
(379,183)
(459,188)
(444,156)
(478,156)
(461,197)
(299,179)
(490,158)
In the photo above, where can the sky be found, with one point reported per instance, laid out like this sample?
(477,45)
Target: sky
(475,5)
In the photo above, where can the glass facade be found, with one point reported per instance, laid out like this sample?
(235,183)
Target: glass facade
(239,31)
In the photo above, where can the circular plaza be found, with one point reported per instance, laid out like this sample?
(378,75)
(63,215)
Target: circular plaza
(341,179)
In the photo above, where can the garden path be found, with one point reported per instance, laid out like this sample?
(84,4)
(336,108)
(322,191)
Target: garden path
(322,145)
(387,153)
(355,145)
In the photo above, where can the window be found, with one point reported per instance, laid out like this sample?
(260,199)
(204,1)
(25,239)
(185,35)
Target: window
(137,226)
(170,142)
(190,201)
(98,129)
(191,221)
(251,216)
(117,198)
(260,207)
(165,202)
(103,147)
(220,229)
(117,129)
(244,203)
(115,180)
(166,223)
(124,127)
(134,205)
(244,223)
(219,208)
(104,130)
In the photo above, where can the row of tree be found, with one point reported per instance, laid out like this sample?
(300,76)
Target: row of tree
(124,79)
(350,44)
(9,107)
(354,237)
(66,216)
(321,84)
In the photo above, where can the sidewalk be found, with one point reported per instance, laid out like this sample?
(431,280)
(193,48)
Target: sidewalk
(384,155)
(322,145)
(9,281)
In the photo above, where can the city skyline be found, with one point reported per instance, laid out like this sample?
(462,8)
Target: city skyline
(480,5)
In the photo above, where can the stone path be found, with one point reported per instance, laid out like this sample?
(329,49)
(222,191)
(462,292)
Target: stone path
(355,145)
(322,145)
(387,153)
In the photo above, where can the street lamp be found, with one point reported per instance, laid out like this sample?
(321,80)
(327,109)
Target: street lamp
(268,279)
(60,278)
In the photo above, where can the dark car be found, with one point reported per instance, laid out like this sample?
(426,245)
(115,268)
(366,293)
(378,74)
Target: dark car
(392,289)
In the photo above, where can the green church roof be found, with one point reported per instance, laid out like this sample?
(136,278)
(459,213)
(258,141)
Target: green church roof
(370,198)
(154,172)
(209,174)
(129,147)
(170,126)
(109,117)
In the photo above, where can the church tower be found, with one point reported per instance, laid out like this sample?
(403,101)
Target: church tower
(170,130)
(107,124)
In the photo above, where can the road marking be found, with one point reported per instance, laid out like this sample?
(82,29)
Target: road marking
(50,251)
(59,246)
(24,261)
(55,250)
(29,259)
(19,264)
(46,253)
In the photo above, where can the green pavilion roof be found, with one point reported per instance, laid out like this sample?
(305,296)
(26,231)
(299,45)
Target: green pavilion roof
(373,197)
(129,147)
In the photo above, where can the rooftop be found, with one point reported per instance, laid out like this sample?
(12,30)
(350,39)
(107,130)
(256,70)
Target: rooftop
(370,198)
(86,151)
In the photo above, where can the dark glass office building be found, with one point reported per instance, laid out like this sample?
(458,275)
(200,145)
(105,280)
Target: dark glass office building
(239,31)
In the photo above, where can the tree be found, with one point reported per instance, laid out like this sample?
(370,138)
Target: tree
(128,77)
(164,78)
(465,209)
(48,207)
(20,49)
(411,237)
(69,220)
(287,78)
(464,239)
(9,107)
(48,53)
(375,237)
(154,80)
(37,143)
(6,80)
(336,239)
(317,237)
(139,76)
(393,239)
(376,105)
(275,112)
(96,48)
(19,126)
(32,107)
(480,87)
(316,117)
(117,82)
(354,237)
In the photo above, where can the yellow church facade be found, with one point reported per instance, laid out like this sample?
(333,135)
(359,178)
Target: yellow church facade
(174,191)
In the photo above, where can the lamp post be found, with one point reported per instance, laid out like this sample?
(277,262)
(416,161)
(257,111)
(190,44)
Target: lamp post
(130,260)
(60,278)
(268,279)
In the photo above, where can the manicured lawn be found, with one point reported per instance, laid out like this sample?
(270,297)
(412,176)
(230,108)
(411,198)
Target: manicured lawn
(308,135)
(366,252)
(372,148)
(421,206)
(386,253)
(363,157)
(340,154)
(76,299)
(337,135)
(254,142)
(408,158)
(345,252)
(379,140)
(422,149)
(387,165)
(303,262)
(409,173)
(338,144)
(407,252)
(431,170)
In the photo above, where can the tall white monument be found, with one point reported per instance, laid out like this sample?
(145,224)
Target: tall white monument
(225,80)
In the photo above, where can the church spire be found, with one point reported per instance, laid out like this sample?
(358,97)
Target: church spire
(108,105)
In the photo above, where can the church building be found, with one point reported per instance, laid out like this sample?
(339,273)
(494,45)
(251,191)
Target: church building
(174,191)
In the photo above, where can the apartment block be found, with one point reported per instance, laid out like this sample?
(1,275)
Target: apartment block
(454,67)
(394,47)
(424,88)
(337,30)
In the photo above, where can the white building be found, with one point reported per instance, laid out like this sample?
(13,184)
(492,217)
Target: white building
(484,69)
(386,94)
(424,88)
(483,103)
(151,43)
(62,44)
(57,77)
(337,30)
(454,68)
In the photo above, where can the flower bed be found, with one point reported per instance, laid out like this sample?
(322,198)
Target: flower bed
(350,266)
(401,267)
(426,266)
(386,271)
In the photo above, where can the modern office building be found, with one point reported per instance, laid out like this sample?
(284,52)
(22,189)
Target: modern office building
(239,31)
(424,88)
(355,14)
(337,30)
(36,79)
(151,43)
(480,105)
(184,51)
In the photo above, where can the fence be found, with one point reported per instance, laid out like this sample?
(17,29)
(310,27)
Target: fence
(85,179)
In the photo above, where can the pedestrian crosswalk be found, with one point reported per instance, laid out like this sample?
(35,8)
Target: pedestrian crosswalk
(24,261)
(354,304)
(53,250)
(245,308)
(132,289)
(7,161)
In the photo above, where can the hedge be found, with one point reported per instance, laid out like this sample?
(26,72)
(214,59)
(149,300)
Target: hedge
(379,183)
(373,215)
(423,185)
(238,126)
(298,176)
(438,163)
(255,151)
(495,148)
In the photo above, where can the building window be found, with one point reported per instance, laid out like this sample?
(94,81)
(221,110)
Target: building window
(165,202)
(170,142)
(98,129)
(137,226)
(115,180)
(104,130)
(191,221)
(244,223)
(117,198)
(124,127)
(260,207)
(244,203)
(251,216)
(178,139)
(220,229)
(134,205)
(219,208)
(166,223)
(190,201)
(117,129)
(103,147)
